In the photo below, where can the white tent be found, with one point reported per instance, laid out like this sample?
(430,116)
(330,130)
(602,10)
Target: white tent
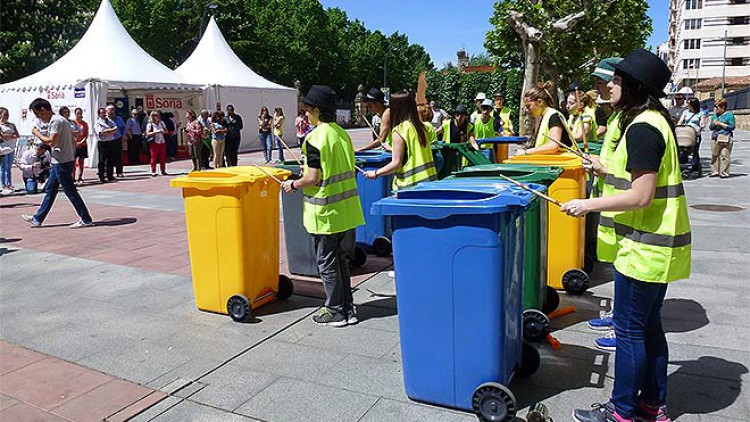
(106,58)
(229,81)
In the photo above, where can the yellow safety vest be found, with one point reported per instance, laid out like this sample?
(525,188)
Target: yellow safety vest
(419,165)
(484,130)
(653,243)
(589,116)
(505,117)
(542,136)
(429,131)
(606,239)
(332,205)
(447,131)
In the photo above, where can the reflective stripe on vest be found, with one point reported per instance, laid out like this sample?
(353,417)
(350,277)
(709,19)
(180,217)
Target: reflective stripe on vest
(653,239)
(419,165)
(332,205)
(653,244)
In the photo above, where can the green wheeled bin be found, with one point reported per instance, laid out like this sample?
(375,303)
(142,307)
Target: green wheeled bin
(595,148)
(538,298)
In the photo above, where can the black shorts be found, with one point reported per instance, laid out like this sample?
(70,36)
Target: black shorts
(82,152)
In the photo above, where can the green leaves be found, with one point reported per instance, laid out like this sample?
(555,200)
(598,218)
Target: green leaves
(608,29)
(283,41)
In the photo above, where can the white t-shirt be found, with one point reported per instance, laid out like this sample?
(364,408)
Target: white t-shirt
(160,128)
(9,128)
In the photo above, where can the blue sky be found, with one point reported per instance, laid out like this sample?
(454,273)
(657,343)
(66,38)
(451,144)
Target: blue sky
(443,27)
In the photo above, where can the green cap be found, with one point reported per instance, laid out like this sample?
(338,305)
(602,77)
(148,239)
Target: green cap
(605,69)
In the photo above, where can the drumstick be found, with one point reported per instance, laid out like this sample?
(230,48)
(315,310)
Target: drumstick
(359,169)
(372,128)
(279,181)
(534,191)
(574,151)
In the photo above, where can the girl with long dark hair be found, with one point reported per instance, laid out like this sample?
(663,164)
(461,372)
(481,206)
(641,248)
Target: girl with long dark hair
(643,201)
(412,160)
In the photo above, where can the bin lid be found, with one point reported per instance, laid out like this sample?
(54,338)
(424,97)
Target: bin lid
(372,157)
(492,182)
(504,140)
(565,160)
(227,177)
(526,173)
(437,200)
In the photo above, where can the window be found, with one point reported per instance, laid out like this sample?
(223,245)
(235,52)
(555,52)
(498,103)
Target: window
(737,61)
(738,40)
(739,20)
(693,44)
(693,23)
(739,1)
(693,4)
(691,64)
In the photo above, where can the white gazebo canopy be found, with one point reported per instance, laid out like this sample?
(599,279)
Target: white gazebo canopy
(106,53)
(213,62)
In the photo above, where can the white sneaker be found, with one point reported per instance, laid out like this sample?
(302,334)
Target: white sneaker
(80,224)
(351,316)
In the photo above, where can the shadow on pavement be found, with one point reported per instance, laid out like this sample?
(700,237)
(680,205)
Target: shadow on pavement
(689,393)
(10,240)
(116,221)
(5,251)
(19,205)
(683,315)
(588,369)
(380,308)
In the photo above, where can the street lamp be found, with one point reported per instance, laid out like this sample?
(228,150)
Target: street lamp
(385,63)
(209,6)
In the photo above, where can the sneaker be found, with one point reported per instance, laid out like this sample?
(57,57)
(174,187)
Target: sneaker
(153,174)
(647,413)
(599,413)
(713,175)
(603,323)
(80,224)
(351,316)
(608,342)
(326,317)
(724,175)
(31,220)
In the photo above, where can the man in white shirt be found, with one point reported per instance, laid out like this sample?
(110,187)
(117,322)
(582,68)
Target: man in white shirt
(35,164)
(438,116)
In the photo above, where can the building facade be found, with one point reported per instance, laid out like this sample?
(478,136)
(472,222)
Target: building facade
(708,39)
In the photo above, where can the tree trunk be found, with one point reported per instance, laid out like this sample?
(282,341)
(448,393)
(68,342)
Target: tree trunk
(530,76)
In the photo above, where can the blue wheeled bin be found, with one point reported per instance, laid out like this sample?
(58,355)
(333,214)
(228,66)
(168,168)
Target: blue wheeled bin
(375,235)
(458,258)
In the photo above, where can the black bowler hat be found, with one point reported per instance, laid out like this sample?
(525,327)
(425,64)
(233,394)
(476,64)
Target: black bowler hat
(461,110)
(320,96)
(648,69)
(575,86)
(375,95)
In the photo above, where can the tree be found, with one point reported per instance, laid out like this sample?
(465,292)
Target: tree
(564,39)
(34,34)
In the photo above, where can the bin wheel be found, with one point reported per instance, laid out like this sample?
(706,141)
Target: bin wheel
(575,282)
(238,307)
(535,325)
(493,402)
(360,257)
(381,246)
(588,264)
(686,175)
(530,361)
(552,301)
(286,287)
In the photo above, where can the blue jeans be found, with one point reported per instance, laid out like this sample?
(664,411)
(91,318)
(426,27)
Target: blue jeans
(280,147)
(642,352)
(266,144)
(32,186)
(6,165)
(62,175)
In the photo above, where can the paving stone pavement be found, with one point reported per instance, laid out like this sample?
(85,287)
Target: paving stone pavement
(140,325)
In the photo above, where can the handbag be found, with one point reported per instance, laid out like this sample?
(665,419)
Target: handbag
(723,139)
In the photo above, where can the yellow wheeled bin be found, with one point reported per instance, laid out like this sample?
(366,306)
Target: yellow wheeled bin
(233,234)
(565,234)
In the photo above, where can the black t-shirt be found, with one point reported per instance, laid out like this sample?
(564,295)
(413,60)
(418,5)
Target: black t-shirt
(460,133)
(645,146)
(601,117)
(313,157)
(556,121)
